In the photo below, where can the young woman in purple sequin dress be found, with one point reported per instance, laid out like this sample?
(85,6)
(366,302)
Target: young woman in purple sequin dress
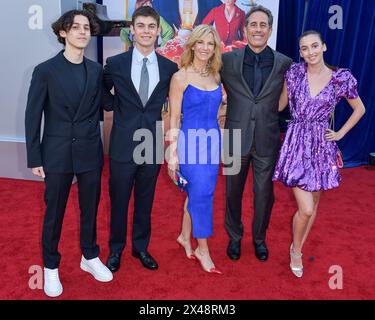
(308,157)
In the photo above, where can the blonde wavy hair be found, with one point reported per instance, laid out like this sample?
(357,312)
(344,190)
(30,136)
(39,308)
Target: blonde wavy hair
(198,33)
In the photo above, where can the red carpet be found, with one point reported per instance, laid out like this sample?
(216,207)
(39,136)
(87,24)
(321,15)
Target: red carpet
(342,235)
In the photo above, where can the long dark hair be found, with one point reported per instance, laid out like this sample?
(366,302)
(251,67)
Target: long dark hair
(311,32)
(316,33)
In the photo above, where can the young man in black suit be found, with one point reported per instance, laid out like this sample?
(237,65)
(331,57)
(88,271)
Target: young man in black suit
(67,90)
(140,78)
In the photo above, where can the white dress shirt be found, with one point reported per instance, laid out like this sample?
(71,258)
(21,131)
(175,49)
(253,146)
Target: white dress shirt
(152,68)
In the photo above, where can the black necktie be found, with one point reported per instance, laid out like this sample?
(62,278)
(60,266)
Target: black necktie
(257,76)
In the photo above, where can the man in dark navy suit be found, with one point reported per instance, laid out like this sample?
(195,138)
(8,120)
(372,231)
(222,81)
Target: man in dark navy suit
(170,10)
(140,78)
(67,91)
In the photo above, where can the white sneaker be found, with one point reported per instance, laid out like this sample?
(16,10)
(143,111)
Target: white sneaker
(52,285)
(97,269)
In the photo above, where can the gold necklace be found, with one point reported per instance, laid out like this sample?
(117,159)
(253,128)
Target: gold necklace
(205,72)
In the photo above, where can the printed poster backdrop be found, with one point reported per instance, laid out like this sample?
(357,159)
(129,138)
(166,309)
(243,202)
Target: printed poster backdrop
(179,17)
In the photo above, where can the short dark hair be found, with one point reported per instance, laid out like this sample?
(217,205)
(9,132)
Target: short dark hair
(261,9)
(65,22)
(311,32)
(146,12)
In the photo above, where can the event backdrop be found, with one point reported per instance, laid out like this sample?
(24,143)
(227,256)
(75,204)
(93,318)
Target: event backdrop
(178,17)
(27,40)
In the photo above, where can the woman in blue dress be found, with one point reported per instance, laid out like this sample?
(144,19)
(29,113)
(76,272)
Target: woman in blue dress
(195,97)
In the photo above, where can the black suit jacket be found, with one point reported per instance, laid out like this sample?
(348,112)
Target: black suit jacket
(169,10)
(257,117)
(129,114)
(71,139)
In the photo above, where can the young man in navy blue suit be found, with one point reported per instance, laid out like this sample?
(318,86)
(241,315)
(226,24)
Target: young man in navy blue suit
(67,91)
(140,78)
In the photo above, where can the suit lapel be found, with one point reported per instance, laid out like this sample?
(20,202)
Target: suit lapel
(127,73)
(127,66)
(271,75)
(90,83)
(238,67)
(162,77)
(66,86)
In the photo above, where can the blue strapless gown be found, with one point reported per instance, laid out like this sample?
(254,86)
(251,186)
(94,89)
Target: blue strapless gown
(199,146)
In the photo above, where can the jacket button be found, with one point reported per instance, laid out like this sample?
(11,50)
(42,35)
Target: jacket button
(253,118)
(74,139)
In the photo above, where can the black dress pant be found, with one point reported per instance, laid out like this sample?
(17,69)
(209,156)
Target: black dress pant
(123,176)
(56,196)
(263,169)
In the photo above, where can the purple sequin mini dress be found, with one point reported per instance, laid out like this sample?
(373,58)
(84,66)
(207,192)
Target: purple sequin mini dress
(307,160)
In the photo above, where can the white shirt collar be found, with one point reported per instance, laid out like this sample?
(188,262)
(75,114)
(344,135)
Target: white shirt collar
(138,56)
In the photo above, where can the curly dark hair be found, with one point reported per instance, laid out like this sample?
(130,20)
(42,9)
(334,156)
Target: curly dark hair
(65,23)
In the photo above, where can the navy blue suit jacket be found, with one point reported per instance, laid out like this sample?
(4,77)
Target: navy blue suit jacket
(71,138)
(129,114)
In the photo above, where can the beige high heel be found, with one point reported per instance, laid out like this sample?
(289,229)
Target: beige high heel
(212,270)
(190,256)
(297,271)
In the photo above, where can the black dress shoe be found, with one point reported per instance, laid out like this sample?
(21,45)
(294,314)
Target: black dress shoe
(146,259)
(234,249)
(113,262)
(261,251)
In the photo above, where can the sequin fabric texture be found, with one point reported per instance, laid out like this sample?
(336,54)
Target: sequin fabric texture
(307,160)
